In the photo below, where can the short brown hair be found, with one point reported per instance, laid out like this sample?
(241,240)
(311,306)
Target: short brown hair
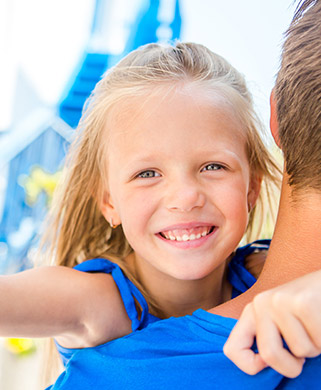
(298,96)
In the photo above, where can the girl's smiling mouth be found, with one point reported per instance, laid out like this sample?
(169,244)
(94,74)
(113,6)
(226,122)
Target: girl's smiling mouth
(187,234)
(190,235)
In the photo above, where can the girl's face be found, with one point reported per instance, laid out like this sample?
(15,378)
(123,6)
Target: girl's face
(179,182)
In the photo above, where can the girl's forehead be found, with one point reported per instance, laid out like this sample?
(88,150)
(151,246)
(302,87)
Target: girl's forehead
(150,102)
(174,123)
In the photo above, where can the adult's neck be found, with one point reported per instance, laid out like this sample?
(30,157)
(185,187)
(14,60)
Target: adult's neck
(295,248)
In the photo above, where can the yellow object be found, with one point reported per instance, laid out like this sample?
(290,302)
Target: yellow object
(20,346)
(37,182)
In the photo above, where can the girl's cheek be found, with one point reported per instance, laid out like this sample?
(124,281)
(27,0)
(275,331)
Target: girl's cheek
(235,204)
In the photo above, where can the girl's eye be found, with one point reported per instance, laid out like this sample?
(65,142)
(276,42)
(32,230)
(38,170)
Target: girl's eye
(213,167)
(148,174)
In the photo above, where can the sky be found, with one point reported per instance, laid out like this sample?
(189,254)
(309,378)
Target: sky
(44,41)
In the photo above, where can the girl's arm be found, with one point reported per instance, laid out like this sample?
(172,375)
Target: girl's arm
(291,311)
(79,309)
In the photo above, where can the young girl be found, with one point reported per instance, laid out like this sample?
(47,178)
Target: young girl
(163,180)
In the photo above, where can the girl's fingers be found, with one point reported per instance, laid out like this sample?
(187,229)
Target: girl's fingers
(271,348)
(297,337)
(294,312)
(256,324)
(291,311)
(307,310)
(238,346)
(312,328)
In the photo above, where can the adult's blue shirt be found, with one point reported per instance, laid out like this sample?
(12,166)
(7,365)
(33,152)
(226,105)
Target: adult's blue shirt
(177,353)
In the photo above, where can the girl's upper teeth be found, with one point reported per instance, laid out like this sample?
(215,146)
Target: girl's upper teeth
(186,234)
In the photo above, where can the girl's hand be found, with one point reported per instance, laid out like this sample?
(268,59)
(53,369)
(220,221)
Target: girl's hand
(291,311)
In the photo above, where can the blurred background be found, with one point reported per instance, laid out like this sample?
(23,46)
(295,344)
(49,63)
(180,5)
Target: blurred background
(53,52)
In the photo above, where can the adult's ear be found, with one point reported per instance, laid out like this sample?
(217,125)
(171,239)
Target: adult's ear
(108,210)
(274,125)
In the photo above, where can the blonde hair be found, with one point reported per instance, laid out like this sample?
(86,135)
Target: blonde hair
(77,229)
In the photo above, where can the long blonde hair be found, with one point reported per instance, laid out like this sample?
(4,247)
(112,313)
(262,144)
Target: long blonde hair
(76,228)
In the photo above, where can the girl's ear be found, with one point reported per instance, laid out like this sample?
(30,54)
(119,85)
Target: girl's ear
(254,191)
(274,126)
(108,210)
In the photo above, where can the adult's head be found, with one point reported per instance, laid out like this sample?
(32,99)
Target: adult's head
(298,98)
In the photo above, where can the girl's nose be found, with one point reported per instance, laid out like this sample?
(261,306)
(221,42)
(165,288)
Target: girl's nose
(184,196)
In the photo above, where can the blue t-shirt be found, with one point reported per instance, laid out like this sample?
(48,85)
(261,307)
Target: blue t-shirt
(177,353)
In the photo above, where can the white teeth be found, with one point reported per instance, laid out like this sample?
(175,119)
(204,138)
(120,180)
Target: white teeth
(176,235)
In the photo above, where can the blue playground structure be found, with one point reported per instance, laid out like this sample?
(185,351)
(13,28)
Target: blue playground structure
(35,151)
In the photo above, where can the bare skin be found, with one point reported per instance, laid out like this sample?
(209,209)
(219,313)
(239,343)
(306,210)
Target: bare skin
(286,259)
(291,311)
(36,301)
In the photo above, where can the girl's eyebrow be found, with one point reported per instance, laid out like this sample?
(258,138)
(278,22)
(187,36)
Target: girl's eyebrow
(220,152)
(138,163)
(144,159)
(209,154)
